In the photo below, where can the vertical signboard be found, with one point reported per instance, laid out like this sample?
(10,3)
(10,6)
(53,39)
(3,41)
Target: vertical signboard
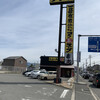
(69,35)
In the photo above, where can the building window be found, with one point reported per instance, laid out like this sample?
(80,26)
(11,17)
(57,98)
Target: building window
(21,62)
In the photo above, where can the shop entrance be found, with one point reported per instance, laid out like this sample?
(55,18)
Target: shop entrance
(65,72)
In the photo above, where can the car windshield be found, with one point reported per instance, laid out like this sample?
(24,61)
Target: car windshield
(42,72)
(35,71)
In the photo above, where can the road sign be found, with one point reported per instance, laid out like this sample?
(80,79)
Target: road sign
(93,44)
(55,2)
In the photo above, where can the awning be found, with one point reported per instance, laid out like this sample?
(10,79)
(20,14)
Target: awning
(69,66)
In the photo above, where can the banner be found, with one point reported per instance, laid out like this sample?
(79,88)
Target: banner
(69,35)
(54,2)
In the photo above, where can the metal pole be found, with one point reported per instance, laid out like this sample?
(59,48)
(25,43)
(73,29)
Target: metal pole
(90,62)
(77,78)
(86,64)
(90,35)
(83,67)
(59,45)
(90,59)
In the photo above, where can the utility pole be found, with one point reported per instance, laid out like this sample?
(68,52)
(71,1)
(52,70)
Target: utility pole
(83,67)
(78,48)
(86,64)
(90,59)
(94,63)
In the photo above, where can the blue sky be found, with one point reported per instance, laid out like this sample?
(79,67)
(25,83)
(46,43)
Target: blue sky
(30,28)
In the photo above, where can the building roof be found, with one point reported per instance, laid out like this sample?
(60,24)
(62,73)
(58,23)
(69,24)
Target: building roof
(15,57)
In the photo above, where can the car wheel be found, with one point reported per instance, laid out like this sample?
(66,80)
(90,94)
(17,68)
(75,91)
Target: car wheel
(45,78)
(28,75)
(97,85)
(38,76)
(93,83)
(32,77)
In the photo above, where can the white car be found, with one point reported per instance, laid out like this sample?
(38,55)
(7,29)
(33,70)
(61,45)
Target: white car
(36,74)
(91,78)
(48,75)
(28,73)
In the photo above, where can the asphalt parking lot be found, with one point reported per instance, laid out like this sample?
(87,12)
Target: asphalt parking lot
(19,87)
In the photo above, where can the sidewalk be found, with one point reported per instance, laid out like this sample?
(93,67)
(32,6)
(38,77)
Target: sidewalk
(66,82)
(82,91)
(9,72)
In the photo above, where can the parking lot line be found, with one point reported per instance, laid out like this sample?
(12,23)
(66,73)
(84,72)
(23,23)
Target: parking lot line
(64,93)
(93,93)
(73,93)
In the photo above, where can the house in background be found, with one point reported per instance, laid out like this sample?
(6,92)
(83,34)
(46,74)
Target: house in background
(14,63)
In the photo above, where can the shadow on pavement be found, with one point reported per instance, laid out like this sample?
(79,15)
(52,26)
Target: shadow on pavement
(15,83)
(93,86)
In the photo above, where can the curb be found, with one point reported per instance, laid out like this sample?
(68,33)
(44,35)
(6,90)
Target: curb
(64,84)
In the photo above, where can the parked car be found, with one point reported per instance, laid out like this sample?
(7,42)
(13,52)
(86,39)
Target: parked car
(36,74)
(24,72)
(48,75)
(83,74)
(28,73)
(96,80)
(91,78)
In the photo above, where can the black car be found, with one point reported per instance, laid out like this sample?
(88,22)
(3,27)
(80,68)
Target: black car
(86,76)
(24,72)
(96,80)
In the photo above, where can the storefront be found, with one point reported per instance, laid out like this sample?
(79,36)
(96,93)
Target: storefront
(49,63)
(67,71)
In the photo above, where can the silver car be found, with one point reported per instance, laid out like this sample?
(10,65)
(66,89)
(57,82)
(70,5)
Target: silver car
(91,78)
(36,74)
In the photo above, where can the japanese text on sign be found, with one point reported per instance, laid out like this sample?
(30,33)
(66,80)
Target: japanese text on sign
(69,29)
(69,35)
(55,59)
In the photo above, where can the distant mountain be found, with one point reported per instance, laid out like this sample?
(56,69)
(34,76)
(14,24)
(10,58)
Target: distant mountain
(28,63)
(35,64)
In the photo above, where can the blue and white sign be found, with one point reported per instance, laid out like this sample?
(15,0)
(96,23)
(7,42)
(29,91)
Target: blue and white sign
(93,44)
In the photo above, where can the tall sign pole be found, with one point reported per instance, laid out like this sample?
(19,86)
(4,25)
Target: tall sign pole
(59,44)
(61,2)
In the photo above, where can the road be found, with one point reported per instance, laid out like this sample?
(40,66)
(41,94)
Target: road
(19,87)
(94,90)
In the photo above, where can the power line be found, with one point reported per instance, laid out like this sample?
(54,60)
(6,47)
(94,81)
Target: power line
(91,57)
